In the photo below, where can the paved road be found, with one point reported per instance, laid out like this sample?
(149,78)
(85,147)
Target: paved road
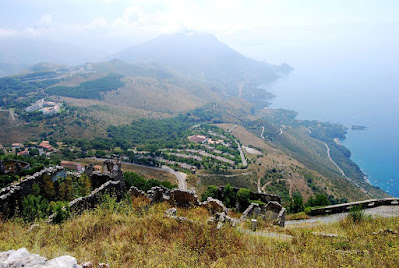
(180,176)
(382,211)
(244,161)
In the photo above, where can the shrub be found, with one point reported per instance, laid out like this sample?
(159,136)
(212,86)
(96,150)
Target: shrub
(210,192)
(243,198)
(319,201)
(356,214)
(61,210)
(230,197)
(34,207)
(296,204)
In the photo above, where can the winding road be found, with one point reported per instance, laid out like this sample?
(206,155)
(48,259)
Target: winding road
(180,176)
(261,134)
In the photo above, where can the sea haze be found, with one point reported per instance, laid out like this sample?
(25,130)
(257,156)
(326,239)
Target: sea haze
(351,95)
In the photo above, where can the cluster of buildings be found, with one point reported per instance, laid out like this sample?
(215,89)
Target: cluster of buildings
(203,139)
(46,107)
(43,147)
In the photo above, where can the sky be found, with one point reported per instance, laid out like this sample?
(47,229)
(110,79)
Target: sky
(273,30)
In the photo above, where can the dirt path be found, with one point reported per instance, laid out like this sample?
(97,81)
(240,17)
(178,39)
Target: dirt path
(329,157)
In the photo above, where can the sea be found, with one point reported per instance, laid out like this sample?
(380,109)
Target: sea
(351,95)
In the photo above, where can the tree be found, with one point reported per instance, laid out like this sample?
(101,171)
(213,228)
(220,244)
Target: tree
(229,196)
(296,204)
(34,207)
(243,198)
(61,210)
(48,187)
(212,191)
(319,200)
(65,191)
(82,185)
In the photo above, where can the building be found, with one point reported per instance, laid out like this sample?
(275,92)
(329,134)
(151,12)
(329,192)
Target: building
(72,165)
(26,152)
(198,138)
(46,145)
(17,145)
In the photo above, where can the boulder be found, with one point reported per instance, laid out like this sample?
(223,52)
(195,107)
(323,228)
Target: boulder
(157,194)
(250,211)
(171,212)
(220,219)
(134,191)
(183,198)
(214,205)
(22,258)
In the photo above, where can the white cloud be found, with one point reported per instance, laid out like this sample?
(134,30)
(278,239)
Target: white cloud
(7,33)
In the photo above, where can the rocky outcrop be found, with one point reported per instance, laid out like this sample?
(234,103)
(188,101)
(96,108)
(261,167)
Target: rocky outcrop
(136,192)
(272,212)
(184,198)
(22,258)
(220,219)
(214,205)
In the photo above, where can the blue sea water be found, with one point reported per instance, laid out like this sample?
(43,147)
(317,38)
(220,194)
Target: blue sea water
(351,95)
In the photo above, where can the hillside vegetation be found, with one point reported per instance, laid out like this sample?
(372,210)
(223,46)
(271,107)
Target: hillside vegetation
(130,235)
(88,90)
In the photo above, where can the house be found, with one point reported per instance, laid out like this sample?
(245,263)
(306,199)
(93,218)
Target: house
(72,165)
(46,145)
(26,152)
(17,145)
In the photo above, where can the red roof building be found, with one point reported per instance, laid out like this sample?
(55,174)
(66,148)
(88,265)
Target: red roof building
(46,145)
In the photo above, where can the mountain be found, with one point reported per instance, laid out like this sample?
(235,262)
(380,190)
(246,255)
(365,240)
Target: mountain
(31,51)
(203,57)
(7,69)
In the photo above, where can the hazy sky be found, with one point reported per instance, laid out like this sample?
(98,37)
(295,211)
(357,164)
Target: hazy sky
(272,30)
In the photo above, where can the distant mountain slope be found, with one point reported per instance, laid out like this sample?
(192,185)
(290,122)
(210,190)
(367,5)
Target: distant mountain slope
(7,69)
(29,51)
(204,57)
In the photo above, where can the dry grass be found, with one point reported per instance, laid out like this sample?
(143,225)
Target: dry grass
(135,235)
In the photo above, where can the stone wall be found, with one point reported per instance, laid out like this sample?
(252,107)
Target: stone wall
(112,188)
(348,206)
(265,198)
(11,197)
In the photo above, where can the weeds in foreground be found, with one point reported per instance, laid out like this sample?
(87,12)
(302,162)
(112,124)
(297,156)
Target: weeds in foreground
(144,237)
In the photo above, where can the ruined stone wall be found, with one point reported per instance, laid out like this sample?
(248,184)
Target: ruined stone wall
(265,198)
(11,197)
(112,188)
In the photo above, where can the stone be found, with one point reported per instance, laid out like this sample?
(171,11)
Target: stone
(103,265)
(183,198)
(220,219)
(254,224)
(33,227)
(62,262)
(214,205)
(324,234)
(249,212)
(156,194)
(134,191)
(22,258)
(171,212)
(87,264)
